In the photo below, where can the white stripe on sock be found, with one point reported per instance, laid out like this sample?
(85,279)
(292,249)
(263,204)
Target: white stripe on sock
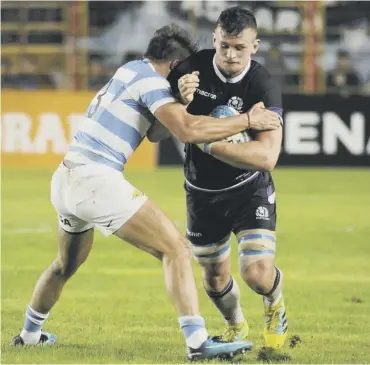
(41,315)
(196,339)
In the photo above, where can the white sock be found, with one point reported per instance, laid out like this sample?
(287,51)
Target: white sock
(194,330)
(277,291)
(30,338)
(33,323)
(197,338)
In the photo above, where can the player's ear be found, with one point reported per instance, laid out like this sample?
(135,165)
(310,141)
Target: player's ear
(256,45)
(174,63)
(214,39)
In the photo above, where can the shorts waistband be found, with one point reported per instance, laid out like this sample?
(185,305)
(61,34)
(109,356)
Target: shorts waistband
(233,187)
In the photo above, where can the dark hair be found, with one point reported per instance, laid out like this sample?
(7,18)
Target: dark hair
(169,43)
(235,19)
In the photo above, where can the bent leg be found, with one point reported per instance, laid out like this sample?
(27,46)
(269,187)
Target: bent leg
(221,287)
(73,250)
(208,228)
(152,231)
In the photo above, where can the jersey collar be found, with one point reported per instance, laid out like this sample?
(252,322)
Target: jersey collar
(232,80)
(149,63)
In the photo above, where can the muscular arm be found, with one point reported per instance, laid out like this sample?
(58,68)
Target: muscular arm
(173,115)
(198,128)
(157,132)
(261,154)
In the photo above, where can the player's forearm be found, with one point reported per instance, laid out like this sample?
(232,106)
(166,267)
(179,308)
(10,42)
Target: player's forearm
(202,129)
(157,132)
(252,155)
(182,100)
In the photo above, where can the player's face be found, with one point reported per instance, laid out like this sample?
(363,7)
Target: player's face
(233,53)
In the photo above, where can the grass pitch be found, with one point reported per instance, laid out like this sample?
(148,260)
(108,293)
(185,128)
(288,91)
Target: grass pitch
(115,310)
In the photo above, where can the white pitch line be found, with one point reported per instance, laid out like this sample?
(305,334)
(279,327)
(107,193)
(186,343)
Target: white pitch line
(24,230)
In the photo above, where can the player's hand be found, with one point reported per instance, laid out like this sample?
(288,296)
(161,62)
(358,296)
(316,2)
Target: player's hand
(187,85)
(262,119)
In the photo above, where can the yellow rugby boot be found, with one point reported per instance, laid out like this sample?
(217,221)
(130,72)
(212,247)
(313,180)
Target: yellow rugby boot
(276,324)
(238,332)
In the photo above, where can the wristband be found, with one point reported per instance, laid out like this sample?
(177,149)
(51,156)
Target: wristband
(205,147)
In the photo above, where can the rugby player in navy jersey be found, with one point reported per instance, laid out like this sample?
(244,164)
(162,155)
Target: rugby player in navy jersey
(229,187)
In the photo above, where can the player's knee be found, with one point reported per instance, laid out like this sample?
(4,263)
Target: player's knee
(256,258)
(63,269)
(215,277)
(258,275)
(184,249)
(180,250)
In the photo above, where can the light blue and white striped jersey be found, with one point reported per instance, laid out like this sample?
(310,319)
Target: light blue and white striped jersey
(119,116)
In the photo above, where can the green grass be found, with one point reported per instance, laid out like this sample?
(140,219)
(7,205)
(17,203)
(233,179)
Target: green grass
(115,310)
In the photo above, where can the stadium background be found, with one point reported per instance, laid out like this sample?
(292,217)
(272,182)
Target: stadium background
(56,55)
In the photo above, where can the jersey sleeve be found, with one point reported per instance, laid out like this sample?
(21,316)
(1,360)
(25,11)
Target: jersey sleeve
(155,92)
(271,95)
(180,70)
(273,101)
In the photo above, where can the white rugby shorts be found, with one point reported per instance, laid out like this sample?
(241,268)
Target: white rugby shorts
(93,195)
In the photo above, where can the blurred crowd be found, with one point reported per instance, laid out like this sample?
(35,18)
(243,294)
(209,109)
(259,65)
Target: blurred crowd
(118,31)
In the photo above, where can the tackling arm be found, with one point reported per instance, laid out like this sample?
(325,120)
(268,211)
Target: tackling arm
(261,154)
(198,128)
(157,132)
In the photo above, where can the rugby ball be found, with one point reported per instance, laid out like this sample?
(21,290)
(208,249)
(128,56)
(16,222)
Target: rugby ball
(223,111)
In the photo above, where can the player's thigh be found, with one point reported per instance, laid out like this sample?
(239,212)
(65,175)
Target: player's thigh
(214,258)
(254,225)
(151,230)
(208,230)
(75,236)
(73,249)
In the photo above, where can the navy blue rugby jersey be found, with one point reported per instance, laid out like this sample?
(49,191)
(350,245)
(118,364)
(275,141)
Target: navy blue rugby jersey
(254,84)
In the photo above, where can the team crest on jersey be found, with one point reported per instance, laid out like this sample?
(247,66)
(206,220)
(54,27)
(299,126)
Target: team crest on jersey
(236,103)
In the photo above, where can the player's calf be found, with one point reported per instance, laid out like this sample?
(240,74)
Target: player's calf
(72,252)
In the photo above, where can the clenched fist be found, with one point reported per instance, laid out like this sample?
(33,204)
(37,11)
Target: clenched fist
(187,85)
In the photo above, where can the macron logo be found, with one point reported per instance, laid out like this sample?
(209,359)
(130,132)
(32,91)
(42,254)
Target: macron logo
(193,234)
(206,94)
